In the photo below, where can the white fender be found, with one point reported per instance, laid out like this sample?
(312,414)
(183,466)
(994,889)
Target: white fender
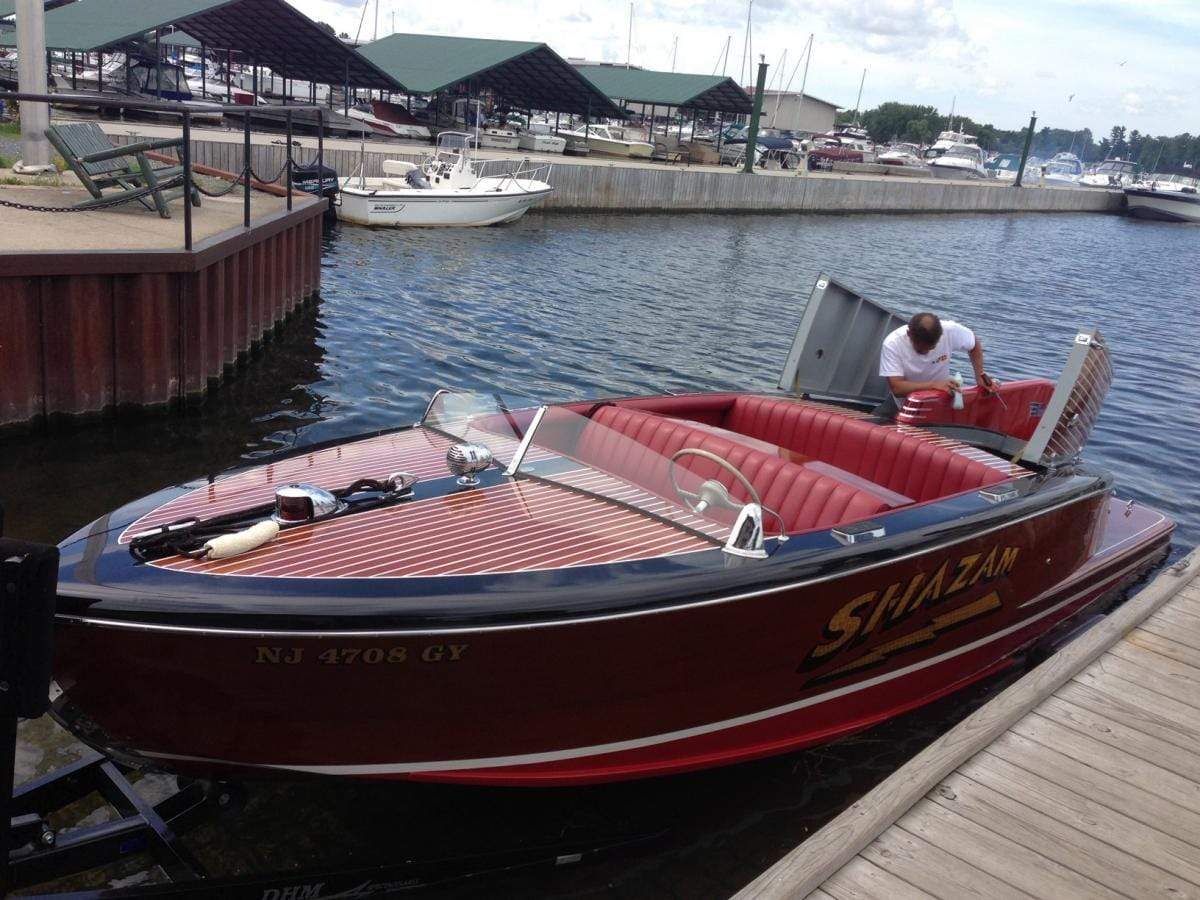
(240,542)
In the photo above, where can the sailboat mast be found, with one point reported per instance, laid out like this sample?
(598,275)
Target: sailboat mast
(858,102)
(745,43)
(674,53)
(629,41)
(804,80)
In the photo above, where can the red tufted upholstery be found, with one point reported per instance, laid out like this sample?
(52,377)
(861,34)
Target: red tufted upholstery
(637,445)
(904,463)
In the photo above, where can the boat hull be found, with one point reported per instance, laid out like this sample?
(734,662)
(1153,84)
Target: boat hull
(575,700)
(434,208)
(1164,206)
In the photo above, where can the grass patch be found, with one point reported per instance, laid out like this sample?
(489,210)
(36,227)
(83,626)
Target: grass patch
(5,162)
(10,129)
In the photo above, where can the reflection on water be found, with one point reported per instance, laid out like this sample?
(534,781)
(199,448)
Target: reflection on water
(561,307)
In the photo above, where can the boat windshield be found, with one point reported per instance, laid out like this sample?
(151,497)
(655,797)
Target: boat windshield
(964,151)
(615,456)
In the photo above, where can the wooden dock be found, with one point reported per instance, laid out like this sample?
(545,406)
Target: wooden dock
(1080,780)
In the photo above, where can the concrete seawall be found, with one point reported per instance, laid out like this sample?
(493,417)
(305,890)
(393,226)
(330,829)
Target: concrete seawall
(627,188)
(601,185)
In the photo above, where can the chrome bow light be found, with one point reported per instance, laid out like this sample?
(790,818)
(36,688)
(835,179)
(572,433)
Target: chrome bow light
(296,504)
(468,460)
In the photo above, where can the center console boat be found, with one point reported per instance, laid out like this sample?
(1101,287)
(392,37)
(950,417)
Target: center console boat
(598,590)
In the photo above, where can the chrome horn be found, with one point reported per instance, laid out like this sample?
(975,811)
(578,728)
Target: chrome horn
(747,538)
(296,504)
(468,460)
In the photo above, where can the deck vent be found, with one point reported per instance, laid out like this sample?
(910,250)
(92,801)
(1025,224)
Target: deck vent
(858,533)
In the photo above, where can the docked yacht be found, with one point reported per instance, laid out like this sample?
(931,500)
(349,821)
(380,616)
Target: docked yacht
(1063,170)
(449,187)
(540,138)
(1166,201)
(1112,173)
(493,138)
(945,141)
(959,161)
(610,140)
(901,154)
(1004,167)
(390,120)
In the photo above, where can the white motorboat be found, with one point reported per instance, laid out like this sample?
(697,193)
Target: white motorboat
(1171,202)
(945,141)
(541,139)
(959,161)
(389,119)
(499,139)
(1063,170)
(609,140)
(1112,173)
(448,188)
(901,154)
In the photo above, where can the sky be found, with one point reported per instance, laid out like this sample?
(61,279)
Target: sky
(1078,63)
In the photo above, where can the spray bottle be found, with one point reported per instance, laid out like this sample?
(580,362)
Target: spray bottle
(956,401)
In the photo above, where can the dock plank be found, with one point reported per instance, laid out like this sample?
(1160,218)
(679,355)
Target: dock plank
(988,850)
(1150,713)
(1081,779)
(1096,841)
(1165,646)
(861,879)
(1110,760)
(932,870)
(1183,761)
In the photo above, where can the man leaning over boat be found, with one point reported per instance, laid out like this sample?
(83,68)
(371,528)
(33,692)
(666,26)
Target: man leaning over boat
(916,357)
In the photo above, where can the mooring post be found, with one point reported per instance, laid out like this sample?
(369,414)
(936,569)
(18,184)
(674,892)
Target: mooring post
(321,155)
(752,132)
(289,161)
(1025,150)
(246,168)
(186,155)
(31,79)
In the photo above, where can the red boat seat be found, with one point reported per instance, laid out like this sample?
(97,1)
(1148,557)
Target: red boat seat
(637,447)
(902,462)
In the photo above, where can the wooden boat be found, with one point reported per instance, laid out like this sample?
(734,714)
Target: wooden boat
(598,590)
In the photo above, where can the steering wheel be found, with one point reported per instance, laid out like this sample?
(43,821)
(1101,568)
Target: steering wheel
(711,491)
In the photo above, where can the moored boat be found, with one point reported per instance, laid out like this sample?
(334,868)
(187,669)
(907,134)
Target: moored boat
(1168,204)
(449,188)
(609,140)
(596,590)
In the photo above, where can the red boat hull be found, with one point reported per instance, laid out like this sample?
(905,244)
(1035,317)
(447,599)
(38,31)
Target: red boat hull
(602,698)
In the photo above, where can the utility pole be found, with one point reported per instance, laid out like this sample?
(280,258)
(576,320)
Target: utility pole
(1025,151)
(31,79)
(752,132)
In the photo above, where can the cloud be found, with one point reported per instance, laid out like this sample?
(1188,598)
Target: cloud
(889,26)
(1132,103)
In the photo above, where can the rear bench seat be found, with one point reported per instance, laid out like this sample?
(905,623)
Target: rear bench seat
(637,446)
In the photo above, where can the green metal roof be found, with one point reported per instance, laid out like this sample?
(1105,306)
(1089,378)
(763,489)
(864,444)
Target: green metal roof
(271,32)
(709,92)
(521,72)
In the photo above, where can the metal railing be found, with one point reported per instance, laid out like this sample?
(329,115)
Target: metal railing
(245,175)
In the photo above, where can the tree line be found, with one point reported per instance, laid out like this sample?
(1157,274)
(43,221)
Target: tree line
(921,124)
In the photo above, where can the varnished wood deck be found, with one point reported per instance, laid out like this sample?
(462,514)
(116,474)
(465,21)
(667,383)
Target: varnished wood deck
(1080,780)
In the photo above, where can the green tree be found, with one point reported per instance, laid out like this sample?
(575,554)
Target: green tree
(1117,139)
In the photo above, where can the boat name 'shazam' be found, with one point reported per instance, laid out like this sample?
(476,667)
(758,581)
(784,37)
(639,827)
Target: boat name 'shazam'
(901,599)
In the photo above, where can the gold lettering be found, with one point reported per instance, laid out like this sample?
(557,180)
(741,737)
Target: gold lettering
(268,654)
(988,569)
(294,656)
(1008,559)
(933,589)
(844,623)
(964,569)
(901,607)
(456,651)
(887,601)
(433,653)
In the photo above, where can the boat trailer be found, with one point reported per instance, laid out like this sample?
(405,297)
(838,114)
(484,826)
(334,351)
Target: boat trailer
(33,852)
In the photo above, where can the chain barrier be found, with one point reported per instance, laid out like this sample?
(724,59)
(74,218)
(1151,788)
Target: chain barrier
(262,180)
(237,182)
(108,204)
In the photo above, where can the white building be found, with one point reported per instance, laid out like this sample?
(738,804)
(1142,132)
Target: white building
(783,110)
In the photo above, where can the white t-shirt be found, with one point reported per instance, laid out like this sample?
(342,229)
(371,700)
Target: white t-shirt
(898,357)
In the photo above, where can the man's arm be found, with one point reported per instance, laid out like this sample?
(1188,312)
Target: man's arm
(902,386)
(982,378)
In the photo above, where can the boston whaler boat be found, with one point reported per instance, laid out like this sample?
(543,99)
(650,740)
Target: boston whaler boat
(448,188)
(598,590)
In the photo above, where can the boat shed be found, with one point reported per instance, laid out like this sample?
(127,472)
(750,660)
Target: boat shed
(524,74)
(642,90)
(269,33)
